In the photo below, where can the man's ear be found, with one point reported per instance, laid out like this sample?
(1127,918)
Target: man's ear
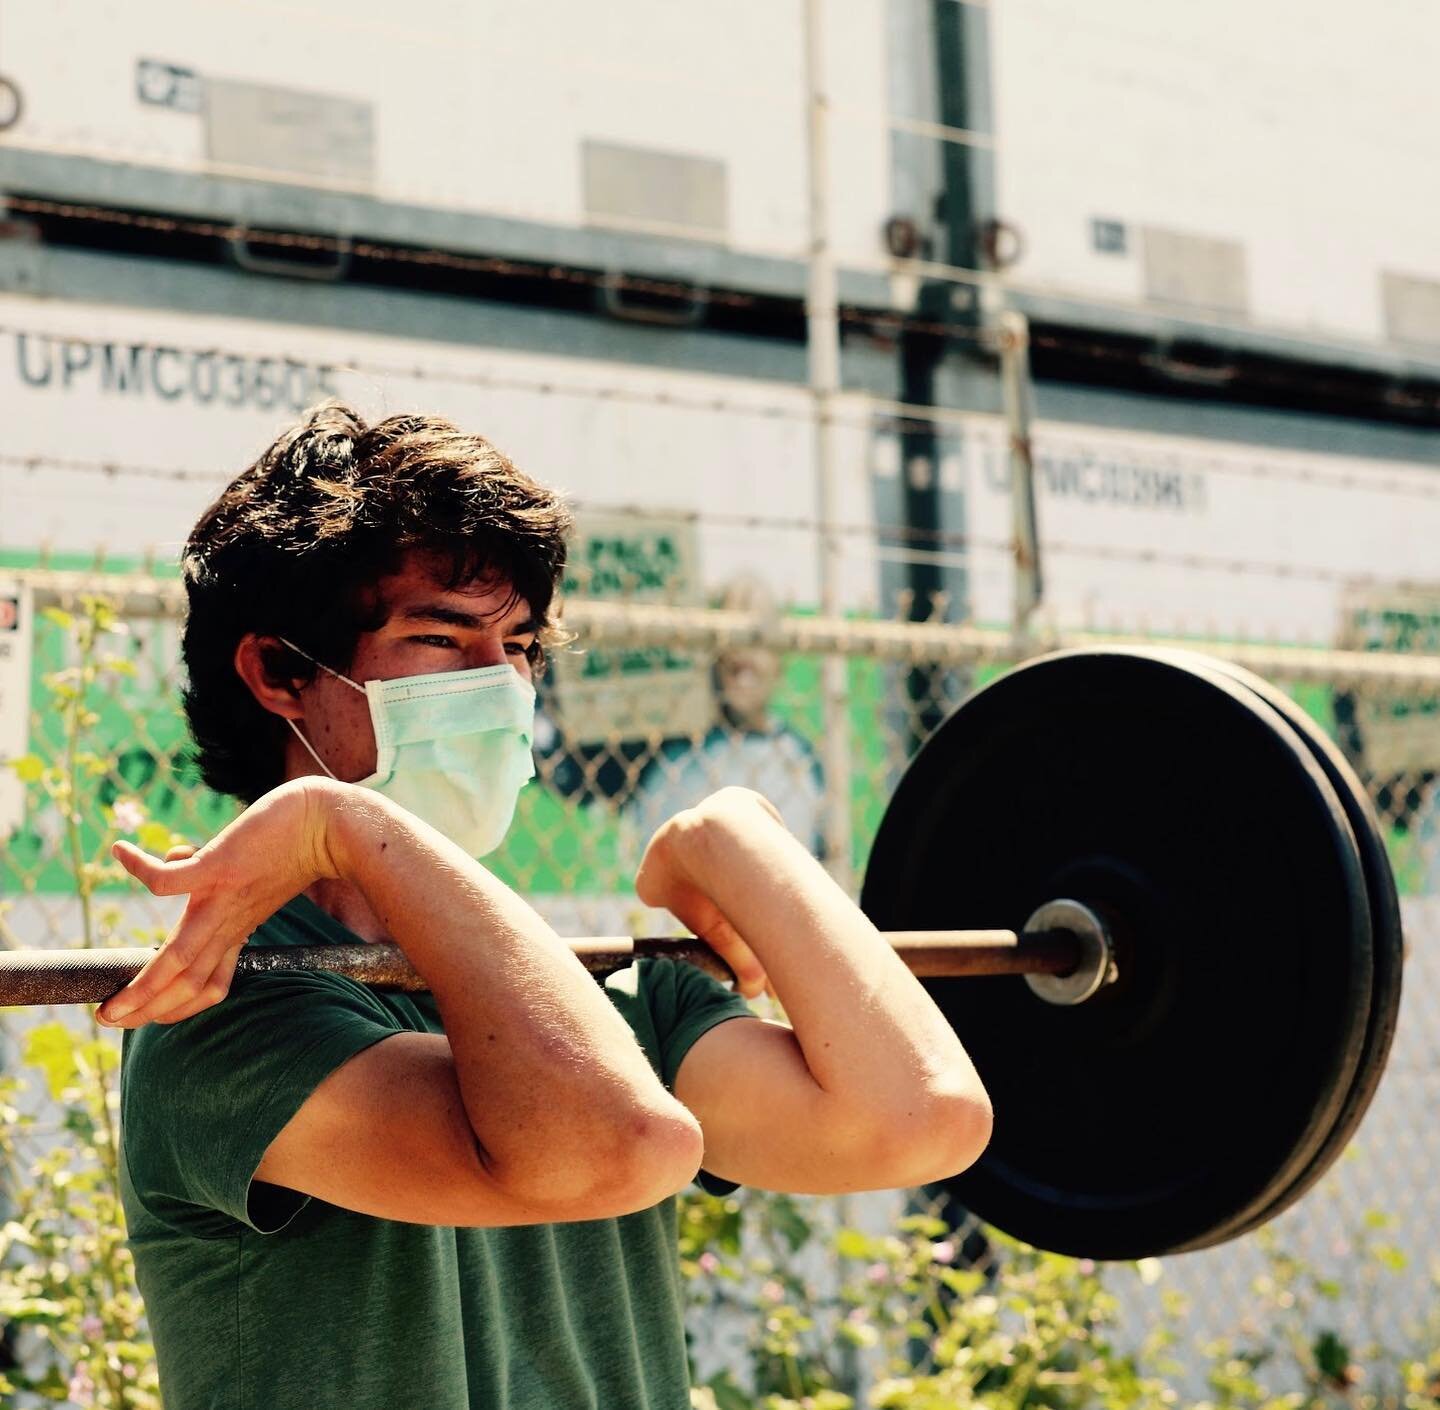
(282,698)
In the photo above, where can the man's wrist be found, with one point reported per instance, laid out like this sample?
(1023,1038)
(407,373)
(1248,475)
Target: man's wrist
(720,828)
(336,819)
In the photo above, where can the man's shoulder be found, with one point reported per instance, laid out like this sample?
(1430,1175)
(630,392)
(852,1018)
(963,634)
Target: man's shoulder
(274,1007)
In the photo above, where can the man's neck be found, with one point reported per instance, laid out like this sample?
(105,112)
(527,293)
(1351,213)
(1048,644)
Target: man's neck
(336,898)
(345,903)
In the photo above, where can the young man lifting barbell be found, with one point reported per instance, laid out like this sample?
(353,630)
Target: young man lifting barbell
(338,1197)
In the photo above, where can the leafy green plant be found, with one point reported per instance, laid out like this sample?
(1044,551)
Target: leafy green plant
(929,1332)
(1290,1350)
(1020,1329)
(67,1285)
(66,1277)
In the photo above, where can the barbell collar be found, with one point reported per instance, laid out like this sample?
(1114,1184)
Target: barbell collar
(1095,966)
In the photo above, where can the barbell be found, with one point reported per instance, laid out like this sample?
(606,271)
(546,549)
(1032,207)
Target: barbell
(1190,886)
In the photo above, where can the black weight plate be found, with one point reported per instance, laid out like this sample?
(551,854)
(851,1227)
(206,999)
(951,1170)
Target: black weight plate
(1386,934)
(1171,1105)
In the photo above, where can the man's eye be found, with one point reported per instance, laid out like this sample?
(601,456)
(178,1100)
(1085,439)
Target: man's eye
(434,640)
(530,650)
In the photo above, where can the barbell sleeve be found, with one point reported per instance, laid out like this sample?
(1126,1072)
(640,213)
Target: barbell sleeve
(35,977)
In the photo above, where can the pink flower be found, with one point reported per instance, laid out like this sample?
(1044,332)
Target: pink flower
(128,814)
(1085,1267)
(708,1262)
(772,1291)
(877,1272)
(81,1388)
(91,1327)
(943,1252)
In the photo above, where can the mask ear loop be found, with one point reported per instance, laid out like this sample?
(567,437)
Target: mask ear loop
(309,749)
(354,685)
(295,729)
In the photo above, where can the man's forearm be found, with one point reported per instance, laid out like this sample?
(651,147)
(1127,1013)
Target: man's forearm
(867,1028)
(552,1077)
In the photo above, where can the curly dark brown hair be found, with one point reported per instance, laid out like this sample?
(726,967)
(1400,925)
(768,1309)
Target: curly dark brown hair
(296,544)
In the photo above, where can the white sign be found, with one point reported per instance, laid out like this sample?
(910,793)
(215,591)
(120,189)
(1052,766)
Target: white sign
(605,695)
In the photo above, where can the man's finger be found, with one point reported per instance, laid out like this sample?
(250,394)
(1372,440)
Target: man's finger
(167,878)
(137,1000)
(750,976)
(695,910)
(212,990)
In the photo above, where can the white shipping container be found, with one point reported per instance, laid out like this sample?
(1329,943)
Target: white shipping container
(1268,163)
(647,115)
(1264,165)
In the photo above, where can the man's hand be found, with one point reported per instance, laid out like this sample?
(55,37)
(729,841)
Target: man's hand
(274,850)
(666,878)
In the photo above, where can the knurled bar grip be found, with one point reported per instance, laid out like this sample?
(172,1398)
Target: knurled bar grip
(29,977)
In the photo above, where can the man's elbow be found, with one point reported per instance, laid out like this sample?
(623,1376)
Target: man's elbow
(661,1154)
(943,1134)
(633,1164)
(961,1129)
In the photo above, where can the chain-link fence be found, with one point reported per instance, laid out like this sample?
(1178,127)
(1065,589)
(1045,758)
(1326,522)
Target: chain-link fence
(654,706)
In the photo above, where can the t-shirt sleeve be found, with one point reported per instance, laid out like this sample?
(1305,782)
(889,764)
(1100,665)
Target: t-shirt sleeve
(686,1003)
(202,1099)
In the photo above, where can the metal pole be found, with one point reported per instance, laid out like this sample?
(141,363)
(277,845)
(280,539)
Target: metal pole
(823,341)
(1014,331)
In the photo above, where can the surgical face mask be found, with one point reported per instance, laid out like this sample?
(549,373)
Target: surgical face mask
(453,748)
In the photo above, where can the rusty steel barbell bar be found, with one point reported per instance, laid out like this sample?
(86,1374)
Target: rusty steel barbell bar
(31,977)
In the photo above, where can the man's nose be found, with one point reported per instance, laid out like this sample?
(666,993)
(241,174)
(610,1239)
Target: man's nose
(488,653)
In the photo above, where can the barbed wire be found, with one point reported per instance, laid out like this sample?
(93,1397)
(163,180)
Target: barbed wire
(540,386)
(887,542)
(869,412)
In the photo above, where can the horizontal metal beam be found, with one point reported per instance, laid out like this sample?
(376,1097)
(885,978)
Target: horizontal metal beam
(305,204)
(600,623)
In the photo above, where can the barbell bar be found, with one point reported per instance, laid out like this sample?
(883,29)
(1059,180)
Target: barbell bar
(38,977)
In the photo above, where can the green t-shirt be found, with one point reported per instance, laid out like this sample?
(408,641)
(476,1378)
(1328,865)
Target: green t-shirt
(261,1298)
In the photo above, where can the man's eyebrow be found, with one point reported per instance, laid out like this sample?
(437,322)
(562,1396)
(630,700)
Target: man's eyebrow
(454,617)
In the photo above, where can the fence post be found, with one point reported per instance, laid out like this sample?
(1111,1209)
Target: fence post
(823,342)
(1014,331)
